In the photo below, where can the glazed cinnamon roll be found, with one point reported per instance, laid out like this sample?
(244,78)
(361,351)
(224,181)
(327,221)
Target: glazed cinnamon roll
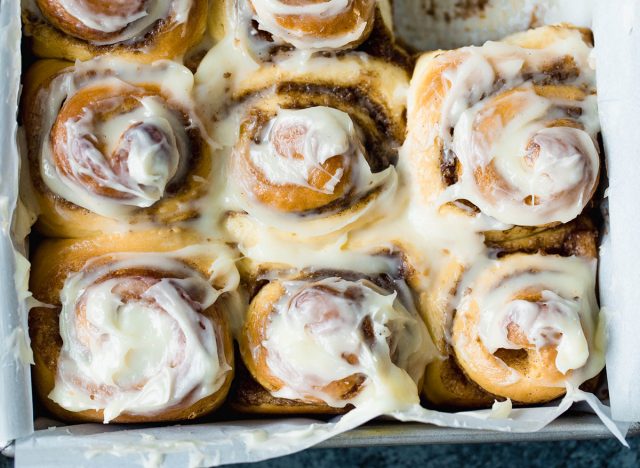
(329,343)
(268,26)
(524,327)
(139,336)
(508,128)
(111,143)
(315,154)
(299,165)
(144,30)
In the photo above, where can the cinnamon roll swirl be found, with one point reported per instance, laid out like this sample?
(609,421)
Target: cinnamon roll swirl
(300,159)
(267,27)
(143,30)
(524,327)
(132,337)
(508,127)
(111,143)
(332,343)
(315,155)
(300,169)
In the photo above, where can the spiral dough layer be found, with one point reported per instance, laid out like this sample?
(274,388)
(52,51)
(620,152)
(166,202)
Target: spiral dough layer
(115,138)
(527,325)
(508,128)
(135,339)
(336,342)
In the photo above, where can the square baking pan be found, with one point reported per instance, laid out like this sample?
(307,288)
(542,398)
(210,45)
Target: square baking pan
(573,425)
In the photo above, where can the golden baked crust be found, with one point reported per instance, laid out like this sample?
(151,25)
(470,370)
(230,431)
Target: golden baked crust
(249,397)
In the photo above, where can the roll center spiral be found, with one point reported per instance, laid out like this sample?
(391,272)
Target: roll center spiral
(128,148)
(315,24)
(137,337)
(334,339)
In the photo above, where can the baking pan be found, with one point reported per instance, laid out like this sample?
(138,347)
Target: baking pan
(573,425)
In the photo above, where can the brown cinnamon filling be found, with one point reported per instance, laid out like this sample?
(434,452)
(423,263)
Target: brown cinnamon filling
(66,22)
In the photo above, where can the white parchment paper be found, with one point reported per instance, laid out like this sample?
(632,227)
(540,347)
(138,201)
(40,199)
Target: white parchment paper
(447,24)
(617,33)
(213,444)
(248,441)
(16,415)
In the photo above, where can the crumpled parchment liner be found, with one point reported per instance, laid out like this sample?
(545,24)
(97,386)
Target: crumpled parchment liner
(16,412)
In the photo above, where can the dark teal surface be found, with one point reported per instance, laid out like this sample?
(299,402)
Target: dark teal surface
(601,453)
(516,455)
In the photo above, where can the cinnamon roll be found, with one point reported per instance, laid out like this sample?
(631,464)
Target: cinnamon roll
(139,336)
(299,165)
(508,128)
(143,30)
(315,154)
(266,27)
(332,343)
(113,143)
(523,326)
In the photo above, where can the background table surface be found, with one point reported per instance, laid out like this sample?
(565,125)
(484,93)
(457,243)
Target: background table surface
(541,454)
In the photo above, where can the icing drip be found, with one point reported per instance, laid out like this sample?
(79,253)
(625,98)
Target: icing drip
(554,321)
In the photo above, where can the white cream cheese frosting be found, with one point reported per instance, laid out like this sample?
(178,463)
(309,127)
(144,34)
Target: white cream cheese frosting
(133,22)
(328,133)
(268,11)
(312,330)
(152,135)
(142,354)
